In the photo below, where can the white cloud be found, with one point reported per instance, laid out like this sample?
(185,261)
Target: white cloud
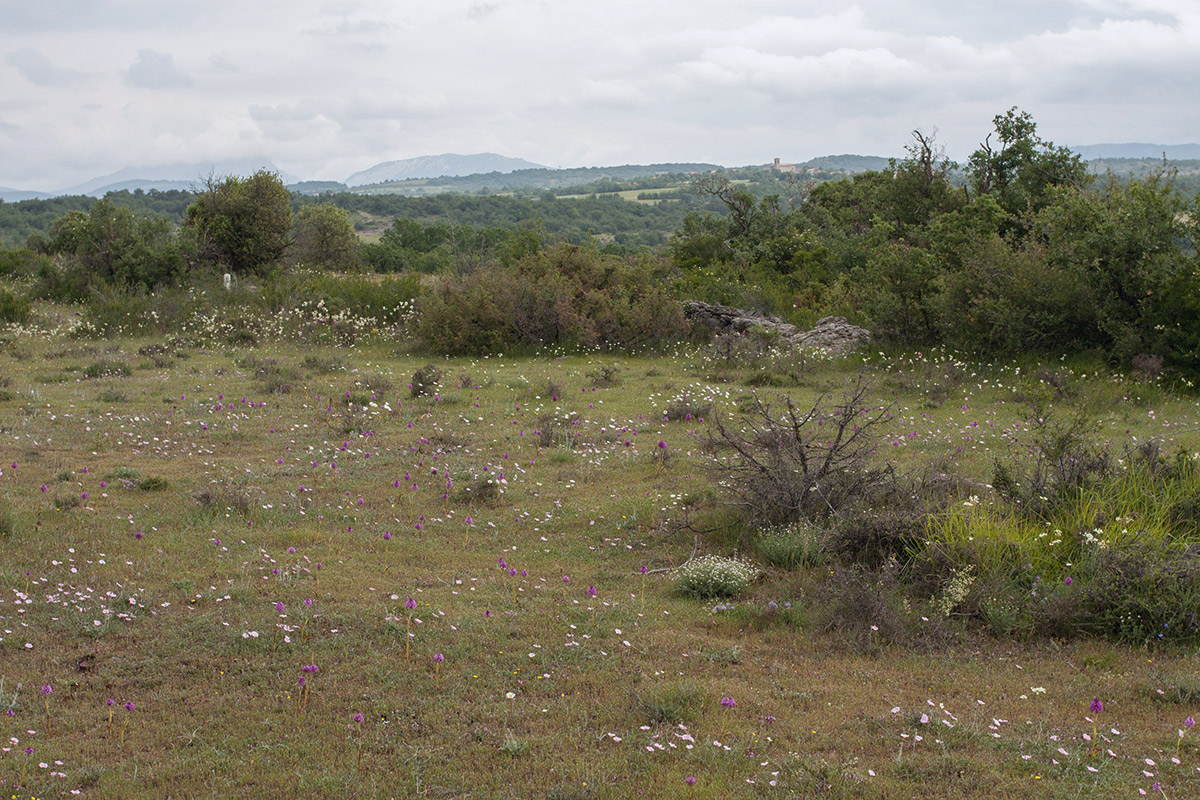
(39,70)
(155,70)
(327,87)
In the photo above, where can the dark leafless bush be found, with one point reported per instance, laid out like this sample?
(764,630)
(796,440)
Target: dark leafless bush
(224,497)
(1060,380)
(425,380)
(873,537)
(1147,366)
(688,407)
(377,383)
(605,375)
(780,463)
(1060,459)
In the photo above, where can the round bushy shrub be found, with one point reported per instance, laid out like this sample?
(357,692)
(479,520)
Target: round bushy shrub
(715,576)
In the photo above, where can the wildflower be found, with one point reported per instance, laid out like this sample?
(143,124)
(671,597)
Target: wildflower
(591,591)
(358,717)
(410,604)
(279,607)
(1067,580)
(728,702)
(1096,706)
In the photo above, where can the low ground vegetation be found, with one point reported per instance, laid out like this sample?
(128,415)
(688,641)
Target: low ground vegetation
(593,574)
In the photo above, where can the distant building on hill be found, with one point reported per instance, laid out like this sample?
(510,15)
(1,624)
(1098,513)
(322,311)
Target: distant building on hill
(779,166)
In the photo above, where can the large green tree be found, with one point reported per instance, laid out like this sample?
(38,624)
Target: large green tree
(325,237)
(110,243)
(1019,168)
(242,224)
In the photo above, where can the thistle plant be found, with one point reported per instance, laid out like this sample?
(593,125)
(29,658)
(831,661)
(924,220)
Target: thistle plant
(310,671)
(125,723)
(1188,724)
(281,609)
(358,735)
(411,605)
(29,757)
(305,616)
(727,703)
(46,692)
(643,572)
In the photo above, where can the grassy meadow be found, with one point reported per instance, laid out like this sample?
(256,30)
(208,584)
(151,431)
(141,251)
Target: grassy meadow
(295,569)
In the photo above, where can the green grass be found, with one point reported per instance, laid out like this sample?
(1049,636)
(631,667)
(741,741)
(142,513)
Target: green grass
(546,689)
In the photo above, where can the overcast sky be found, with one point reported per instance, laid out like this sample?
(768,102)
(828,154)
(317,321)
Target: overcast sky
(328,87)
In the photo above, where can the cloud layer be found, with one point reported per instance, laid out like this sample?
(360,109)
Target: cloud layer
(328,87)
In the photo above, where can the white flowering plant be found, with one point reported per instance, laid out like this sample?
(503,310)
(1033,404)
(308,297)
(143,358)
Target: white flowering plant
(716,576)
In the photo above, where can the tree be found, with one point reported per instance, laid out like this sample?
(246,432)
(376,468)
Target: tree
(920,190)
(110,243)
(1021,167)
(243,224)
(325,237)
(1133,243)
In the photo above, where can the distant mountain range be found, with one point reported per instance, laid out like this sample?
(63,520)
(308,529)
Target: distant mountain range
(445,165)
(1174,152)
(173,176)
(446,172)
(17,195)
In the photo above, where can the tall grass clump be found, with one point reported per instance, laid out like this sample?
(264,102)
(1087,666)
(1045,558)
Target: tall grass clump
(790,546)
(1117,557)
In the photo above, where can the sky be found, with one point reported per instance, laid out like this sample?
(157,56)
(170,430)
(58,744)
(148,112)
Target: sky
(324,88)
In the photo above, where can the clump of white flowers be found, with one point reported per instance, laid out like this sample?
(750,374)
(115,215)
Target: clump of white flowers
(715,576)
